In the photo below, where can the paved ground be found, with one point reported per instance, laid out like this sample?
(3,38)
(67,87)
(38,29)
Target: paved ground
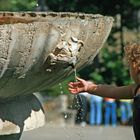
(50,132)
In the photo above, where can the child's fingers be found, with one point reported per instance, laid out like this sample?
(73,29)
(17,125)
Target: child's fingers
(73,91)
(74,84)
(79,79)
(70,85)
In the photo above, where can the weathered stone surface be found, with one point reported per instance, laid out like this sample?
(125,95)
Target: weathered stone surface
(38,50)
(20,114)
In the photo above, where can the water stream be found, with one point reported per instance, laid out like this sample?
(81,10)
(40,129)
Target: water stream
(77,104)
(37,4)
(77,96)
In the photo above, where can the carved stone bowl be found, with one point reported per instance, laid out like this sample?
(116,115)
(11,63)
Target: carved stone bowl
(40,49)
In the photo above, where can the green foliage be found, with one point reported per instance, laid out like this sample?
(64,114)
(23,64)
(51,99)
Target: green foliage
(112,69)
(96,76)
(17,5)
(62,5)
(135,3)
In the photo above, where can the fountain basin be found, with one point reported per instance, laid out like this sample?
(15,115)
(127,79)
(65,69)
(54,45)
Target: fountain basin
(40,49)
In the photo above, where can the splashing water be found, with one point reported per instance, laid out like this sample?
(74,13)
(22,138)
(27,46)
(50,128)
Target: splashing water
(61,89)
(78,104)
(75,74)
(78,98)
(37,3)
(66,116)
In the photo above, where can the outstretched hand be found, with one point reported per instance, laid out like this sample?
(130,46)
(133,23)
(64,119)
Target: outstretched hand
(80,86)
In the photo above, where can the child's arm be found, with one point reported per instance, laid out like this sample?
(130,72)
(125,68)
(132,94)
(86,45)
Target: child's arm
(123,92)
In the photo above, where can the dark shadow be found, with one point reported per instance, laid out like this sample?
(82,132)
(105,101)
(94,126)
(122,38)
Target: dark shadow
(17,110)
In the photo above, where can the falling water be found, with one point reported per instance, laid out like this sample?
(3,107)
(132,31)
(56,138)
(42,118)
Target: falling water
(65,114)
(61,89)
(77,97)
(79,103)
(62,92)
(37,3)
(75,74)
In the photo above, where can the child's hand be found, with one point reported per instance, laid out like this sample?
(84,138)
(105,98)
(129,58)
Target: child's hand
(80,86)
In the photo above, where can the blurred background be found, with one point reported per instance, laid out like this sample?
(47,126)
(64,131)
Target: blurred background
(108,67)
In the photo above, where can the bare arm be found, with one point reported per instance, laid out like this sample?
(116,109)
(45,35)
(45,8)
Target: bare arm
(122,92)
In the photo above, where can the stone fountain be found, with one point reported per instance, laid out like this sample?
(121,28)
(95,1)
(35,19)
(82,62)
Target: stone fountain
(38,50)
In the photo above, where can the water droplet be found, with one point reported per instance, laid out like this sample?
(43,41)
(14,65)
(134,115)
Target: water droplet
(75,74)
(61,89)
(66,116)
(48,70)
(22,76)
